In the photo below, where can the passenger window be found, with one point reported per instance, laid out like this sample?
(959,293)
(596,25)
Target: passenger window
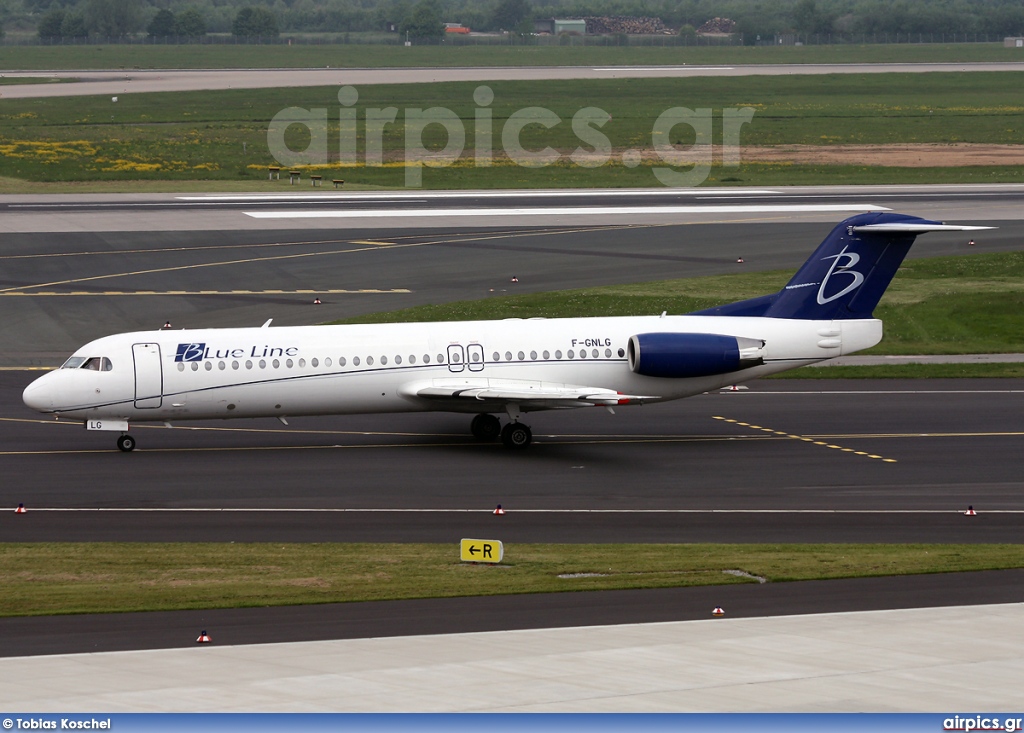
(248,363)
(355,361)
(571,354)
(327,361)
(383,360)
(302,363)
(398,359)
(595,353)
(440,358)
(314,362)
(195,366)
(412,359)
(341,361)
(533,355)
(508,356)
(369,361)
(289,363)
(276,363)
(263,363)
(558,354)
(547,354)
(181,366)
(234,365)
(608,353)
(426,358)
(208,366)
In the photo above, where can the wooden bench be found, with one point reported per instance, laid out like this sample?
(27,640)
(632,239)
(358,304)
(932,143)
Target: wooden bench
(317,180)
(293,176)
(339,182)
(274,173)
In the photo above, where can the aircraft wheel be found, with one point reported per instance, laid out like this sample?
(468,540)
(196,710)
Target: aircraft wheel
(485,427)
(126,443)
(516,435)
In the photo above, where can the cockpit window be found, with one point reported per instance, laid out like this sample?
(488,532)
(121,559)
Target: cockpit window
(94,363)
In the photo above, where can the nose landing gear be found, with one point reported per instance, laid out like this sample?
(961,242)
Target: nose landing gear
(126,443)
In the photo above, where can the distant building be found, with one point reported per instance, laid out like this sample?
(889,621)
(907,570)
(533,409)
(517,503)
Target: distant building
(554,26)
(1013,42)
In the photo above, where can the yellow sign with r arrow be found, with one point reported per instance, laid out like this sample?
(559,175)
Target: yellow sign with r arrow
(482,551)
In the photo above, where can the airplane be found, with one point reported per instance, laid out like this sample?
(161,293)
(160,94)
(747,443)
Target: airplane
(504,367)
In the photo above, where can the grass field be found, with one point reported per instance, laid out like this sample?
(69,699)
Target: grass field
(222,136)
(370,56)
(63,578)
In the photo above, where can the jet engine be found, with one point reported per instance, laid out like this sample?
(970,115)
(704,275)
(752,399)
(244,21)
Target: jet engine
(681,355)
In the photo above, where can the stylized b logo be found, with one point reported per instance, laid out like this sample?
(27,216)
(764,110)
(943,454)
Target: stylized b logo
(840,268)
(190,352)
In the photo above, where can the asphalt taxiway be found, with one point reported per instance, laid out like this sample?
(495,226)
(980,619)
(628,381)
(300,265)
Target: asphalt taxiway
(75,268)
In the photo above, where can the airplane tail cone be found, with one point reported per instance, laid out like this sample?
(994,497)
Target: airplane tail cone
(718,611)
(499,511)
(20,509)
(204,638)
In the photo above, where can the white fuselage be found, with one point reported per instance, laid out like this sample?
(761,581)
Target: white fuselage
(321,370)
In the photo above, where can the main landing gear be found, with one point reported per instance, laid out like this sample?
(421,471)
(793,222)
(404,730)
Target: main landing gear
(513,435)
(126,443)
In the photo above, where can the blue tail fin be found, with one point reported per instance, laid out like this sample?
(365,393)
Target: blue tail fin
(848,273)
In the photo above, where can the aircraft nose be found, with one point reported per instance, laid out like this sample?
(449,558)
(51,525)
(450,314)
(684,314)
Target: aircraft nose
(38,395)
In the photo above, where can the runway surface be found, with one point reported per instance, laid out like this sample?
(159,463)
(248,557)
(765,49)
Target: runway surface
(290,208)
(139,81)
(74,268)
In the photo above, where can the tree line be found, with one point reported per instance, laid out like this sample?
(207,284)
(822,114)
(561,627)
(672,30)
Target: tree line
(424,19)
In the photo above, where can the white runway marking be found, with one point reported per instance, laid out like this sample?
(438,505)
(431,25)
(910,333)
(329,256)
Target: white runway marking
(490,510)
(472,194)
(560,211)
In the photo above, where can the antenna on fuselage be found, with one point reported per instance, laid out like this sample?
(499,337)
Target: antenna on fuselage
(267,324)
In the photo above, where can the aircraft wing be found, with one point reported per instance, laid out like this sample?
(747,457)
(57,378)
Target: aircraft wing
(528,395)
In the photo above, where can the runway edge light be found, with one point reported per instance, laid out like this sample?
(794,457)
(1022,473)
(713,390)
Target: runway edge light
(204,638)
(718,612)
(20,509)
(499,511)
(970,512)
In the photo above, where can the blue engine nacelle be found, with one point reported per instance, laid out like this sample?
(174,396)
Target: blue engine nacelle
(680,355)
